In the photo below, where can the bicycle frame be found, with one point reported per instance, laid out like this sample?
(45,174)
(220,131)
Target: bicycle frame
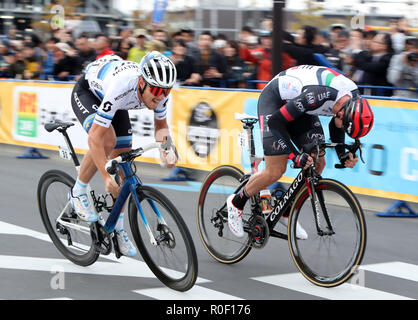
(284,203)
(130,185)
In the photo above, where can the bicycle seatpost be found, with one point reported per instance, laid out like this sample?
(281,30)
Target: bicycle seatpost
(70,146)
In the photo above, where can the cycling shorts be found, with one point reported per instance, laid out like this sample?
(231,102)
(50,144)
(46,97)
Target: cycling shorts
(302,130)
(85,105)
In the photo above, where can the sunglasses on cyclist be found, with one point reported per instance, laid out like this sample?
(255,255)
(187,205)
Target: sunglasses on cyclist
(157,91)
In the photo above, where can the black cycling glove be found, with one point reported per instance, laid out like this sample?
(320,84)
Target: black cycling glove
(300,160)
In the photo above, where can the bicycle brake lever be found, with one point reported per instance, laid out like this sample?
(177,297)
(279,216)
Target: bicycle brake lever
(361,154)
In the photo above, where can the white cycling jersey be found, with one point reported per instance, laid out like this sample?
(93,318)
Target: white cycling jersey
(114,82)
(307,80)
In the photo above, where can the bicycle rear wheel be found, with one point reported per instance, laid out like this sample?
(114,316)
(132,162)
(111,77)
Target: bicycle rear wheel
(69,234)
(173,259)
(329,258)
(212,216)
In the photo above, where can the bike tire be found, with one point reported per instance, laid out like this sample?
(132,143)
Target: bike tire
(65,183)
(350,234)
(219,246)
(188,274)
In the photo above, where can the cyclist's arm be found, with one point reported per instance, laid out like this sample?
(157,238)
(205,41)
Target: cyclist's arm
(161,129)
(160,121)
(337,135)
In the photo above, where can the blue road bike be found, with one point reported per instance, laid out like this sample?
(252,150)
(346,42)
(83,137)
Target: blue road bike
(159,231)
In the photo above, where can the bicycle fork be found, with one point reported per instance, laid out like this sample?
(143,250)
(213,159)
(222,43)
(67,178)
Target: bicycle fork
(317,201)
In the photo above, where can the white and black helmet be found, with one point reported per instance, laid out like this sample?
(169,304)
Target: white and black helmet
(158,70)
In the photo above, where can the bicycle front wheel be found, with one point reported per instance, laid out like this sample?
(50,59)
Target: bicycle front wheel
(173,257)
(212,216)
(69,234)
(336,236)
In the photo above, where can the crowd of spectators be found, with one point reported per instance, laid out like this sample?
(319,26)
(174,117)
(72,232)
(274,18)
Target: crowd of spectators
(371,58)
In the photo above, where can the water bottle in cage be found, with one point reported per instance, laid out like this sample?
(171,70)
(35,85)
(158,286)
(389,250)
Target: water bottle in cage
(265,198)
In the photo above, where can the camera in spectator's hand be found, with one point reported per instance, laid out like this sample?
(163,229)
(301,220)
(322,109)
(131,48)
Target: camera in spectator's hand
(412,57)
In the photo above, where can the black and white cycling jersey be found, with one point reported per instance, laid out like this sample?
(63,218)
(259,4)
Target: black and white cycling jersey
(114,82)
(314,89)
(289,106)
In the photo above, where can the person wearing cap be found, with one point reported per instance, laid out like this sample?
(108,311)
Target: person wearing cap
(65,63)
(137,52)
(334,30)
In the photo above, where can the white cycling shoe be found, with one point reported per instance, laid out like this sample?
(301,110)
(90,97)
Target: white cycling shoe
(300,232)
(125,245)
(234,218)
(82,207)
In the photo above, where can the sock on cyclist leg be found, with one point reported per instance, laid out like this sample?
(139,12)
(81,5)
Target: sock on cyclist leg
(119,223)
(240,199)
(79,188)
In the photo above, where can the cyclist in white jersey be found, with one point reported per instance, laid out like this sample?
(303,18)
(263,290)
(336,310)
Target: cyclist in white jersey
(101,99)
(288,110)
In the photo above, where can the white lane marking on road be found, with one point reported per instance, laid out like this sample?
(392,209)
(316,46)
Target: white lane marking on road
(98,268)
(195,293)
(8,228)
(394,269)
(125,266)
(346,291)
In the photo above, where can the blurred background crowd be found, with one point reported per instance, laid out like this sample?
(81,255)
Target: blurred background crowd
(369,57)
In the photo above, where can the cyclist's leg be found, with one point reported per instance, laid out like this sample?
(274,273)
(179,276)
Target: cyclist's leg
(275,156)
(123,132)
(85,105)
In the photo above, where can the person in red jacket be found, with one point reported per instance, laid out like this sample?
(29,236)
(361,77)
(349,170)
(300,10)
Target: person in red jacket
(261,56)
(103,46)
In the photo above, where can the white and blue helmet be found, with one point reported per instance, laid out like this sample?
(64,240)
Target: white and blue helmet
(158,70)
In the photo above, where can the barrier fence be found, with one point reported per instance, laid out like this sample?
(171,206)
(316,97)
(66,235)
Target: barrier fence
(206,134)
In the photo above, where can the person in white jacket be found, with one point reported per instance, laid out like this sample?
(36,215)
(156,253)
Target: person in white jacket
(403,70)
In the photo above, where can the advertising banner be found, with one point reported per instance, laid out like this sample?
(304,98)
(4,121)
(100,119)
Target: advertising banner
(206,134)
(159,11)
(28,106)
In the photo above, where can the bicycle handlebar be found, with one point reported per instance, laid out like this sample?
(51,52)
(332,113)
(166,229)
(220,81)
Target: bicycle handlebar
(316,146)
(111,165)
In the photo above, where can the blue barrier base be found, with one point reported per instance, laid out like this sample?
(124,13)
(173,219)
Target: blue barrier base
(32,153)
(399,209)
(178,174)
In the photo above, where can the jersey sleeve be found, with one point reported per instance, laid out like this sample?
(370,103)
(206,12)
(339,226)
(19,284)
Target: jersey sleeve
(161,112)
(107,108)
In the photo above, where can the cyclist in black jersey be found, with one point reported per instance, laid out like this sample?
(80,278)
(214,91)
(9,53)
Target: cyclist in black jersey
(288,110)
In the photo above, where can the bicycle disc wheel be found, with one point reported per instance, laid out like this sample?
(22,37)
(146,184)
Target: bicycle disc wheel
(329,258)
(173,259)
(69,234)
(212,216)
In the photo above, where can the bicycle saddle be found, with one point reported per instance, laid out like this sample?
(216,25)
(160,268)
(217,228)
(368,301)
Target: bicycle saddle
(244,117)
(51,126)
